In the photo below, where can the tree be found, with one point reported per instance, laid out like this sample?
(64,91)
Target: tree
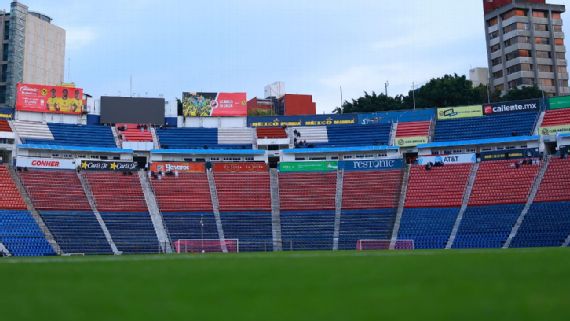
(371,103)
(523,93)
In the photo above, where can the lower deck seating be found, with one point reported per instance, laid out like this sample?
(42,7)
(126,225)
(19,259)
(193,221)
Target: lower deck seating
(307,191)
(429,228)
(371,189)
(375,224)
(252,229)
(172,193)
(4,126)
(438,187)
(487,226)
(10,197)
(133,233)
(21,235)
(77,232)
(546,224)
(190,226)
(117,192)
(309,230)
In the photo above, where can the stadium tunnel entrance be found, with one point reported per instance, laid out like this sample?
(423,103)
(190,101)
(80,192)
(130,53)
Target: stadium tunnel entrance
(273,161)
(5,156)
(140,160)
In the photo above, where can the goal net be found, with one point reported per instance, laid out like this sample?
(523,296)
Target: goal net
(374,245)
(206,246)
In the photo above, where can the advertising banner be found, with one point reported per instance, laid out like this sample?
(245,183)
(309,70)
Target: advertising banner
(459,112)
(214,104)
(181,167)
(510,154)
(49,99)
(411,141)
(114,166)
(553,130)
(372,165)
(448,159)
(315,166)
(45,163)
(559,102)
(512,107)
(240,167)
(6,113)
(298,121)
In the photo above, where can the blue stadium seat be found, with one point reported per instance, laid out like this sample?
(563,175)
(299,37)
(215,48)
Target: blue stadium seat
(133,233)
(192,138)
(78,135)
(357,225)
(357,135)
(252,229)
(487,226)
(310,230)
(21,235)
(496,126)
(190,226)
(77,232)
(429,228)
(545,225)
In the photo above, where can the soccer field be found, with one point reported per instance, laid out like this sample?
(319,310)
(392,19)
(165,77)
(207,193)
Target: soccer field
(421,285)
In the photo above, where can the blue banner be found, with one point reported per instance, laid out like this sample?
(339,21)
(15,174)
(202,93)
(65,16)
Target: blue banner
(6,113)
(371,165)
(298,121)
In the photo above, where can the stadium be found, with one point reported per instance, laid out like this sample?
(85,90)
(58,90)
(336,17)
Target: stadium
(141,209)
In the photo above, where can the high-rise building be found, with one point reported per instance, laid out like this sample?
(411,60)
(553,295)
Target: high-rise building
(479,76)
(33,51)
(525,45)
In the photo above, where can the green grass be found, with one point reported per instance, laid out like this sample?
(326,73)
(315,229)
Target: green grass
(421,285)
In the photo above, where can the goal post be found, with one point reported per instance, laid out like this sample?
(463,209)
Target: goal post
(206,245)
(375,245)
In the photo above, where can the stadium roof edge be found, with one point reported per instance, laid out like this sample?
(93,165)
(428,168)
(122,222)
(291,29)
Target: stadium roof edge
(324,150)
(76,148)
(208,151)
(488,141)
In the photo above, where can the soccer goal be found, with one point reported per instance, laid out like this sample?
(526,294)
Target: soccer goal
(375,245)
(206,246)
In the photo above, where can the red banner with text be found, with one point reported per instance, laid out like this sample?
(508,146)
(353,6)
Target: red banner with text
(181,167)
(240,167)
(49,99)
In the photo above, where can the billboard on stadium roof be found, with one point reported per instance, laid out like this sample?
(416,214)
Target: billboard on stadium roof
(201,104)
(49,99)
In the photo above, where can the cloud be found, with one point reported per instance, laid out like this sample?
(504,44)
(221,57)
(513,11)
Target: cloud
(78,38)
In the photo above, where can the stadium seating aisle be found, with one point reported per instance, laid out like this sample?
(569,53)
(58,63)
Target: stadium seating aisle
(429,228)
(545,225)
(487,226)
(133,233)
(496,126)
(371,224)
(78,135)
(307,230)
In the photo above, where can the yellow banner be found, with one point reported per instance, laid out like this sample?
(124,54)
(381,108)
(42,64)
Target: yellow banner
(459,112)
(411,141)
(553,130)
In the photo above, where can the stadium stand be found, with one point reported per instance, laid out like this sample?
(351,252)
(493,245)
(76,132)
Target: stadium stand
(245,209)
(271,132)
(505,125)
(432,204)
(19,232)
(189,192)
(357,135)
(5,126)
(413,129)
(134,133)
(62,204)
(32,130)
(313,135)
(548,221)
(307,210)
(498,197)
(195,138)
(77,135)
(369,204)
(120,200)
(556,117)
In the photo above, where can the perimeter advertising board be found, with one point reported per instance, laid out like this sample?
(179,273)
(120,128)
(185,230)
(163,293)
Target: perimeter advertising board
(411,141)
(115,166)
(448,159)
(198,104)
(181,167)
(459,112)
(559,102)
(298,121)
(508,107)
(240,167)
(45,163)
(49,99)
(553,130)
(316,166)
(372,165)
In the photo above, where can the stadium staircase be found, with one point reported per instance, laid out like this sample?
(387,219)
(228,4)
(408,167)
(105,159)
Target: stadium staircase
(539,122)
(338,208)
(401,203)
(275,210)
(154,138)
(35,214)
(91,200)
(216,210)
(533,192)
(465,203)
(4,250)
(393,134)
(116,136)
(155,216)
(567,242)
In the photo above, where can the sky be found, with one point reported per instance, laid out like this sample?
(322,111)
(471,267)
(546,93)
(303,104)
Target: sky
(315,47)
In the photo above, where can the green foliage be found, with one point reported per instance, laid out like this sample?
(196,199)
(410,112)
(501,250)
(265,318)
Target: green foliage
(523,93)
